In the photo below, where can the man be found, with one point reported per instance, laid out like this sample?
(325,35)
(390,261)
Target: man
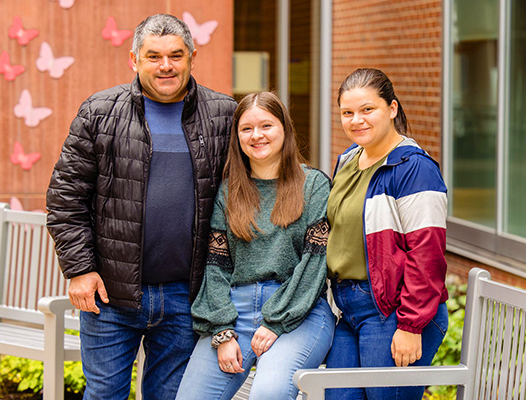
(129,204)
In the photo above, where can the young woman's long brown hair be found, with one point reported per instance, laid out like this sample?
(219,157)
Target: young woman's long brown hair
(242,197)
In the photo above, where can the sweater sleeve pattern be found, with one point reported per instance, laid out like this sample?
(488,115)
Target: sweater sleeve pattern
(218,251)
(316,238)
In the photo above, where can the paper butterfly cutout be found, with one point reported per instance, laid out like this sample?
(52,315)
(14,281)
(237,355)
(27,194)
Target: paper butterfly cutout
(26,161)
(66,3)
(200,32)
(10,71)
(32,115)
(16,205)
(110,32)
(55,66)
(17,31)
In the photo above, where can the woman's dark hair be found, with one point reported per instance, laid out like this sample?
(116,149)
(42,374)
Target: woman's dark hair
(375,79)
(242,200)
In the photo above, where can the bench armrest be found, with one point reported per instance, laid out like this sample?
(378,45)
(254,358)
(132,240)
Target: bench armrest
(55,304)
(313,382)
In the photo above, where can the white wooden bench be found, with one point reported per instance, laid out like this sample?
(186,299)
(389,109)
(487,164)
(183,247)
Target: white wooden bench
(493,354)
(29,272)
(34,307)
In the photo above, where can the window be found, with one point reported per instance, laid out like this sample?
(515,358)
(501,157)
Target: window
(516,165)
(485,127)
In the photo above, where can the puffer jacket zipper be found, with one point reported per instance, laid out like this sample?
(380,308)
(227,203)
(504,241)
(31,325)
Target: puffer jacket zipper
(207,157)
(196,199)
(146,179)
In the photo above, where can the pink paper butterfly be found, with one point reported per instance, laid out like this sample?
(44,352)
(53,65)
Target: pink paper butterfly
(200,33)
(17,31)
(66,3)
(110,32)
(26,161)
(10,71)
(16,205)
(55,66)
(24,109)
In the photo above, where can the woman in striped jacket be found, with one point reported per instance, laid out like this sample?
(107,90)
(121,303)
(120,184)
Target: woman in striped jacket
(386,249)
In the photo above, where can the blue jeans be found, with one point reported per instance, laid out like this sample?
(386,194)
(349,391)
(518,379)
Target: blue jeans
(363,338)
(304,347)
(111,339)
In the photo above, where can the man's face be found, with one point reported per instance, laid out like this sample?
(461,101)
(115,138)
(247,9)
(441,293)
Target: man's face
(164,68)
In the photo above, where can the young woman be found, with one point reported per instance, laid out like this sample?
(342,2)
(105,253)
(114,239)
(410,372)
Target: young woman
(385,253)
(261,301)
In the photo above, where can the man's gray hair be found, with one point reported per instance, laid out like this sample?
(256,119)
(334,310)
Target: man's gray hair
(161,25)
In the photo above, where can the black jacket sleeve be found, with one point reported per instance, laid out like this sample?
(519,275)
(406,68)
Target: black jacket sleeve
(69,198)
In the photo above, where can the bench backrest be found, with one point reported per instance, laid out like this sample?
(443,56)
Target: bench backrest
(493,354)
(494,341)
(29,268)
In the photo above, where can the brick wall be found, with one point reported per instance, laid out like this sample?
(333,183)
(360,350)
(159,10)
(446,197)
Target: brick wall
(404,39)
(459,265)
(77,32)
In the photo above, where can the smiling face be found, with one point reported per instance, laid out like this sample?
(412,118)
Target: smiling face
(164,67)
(261,137)
(367,119)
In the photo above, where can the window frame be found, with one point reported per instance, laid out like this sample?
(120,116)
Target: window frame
(491,246)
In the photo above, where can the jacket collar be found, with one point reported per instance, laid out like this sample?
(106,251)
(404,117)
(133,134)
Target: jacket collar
(406,148)
(190,100)
(136,92)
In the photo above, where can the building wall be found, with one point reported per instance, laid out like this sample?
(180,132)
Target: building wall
(77,32)
(402,38)
(459,265)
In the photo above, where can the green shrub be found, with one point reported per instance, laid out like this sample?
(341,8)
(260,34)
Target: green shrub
(449,352)
(29,374)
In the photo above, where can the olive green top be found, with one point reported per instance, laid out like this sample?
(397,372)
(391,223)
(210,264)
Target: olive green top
(345,247)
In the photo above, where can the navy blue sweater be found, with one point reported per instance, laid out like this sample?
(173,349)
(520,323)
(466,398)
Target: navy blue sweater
(170,202)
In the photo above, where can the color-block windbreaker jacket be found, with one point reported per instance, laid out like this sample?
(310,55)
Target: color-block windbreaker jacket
(404,216)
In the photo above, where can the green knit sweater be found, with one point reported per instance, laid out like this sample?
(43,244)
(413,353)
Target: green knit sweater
(294,255)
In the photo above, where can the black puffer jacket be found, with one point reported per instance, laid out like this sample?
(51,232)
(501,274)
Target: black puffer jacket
(96,197)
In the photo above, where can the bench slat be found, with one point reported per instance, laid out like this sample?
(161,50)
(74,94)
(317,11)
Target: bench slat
(28,342)
(35,317)
(25,217)
(13,334)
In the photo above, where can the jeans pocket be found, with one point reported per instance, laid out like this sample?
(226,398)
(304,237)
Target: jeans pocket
(364,287)
(441,319)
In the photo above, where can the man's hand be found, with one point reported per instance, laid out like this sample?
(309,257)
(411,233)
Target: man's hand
(229,357)
(262,340)
(82,291)
(406,348)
